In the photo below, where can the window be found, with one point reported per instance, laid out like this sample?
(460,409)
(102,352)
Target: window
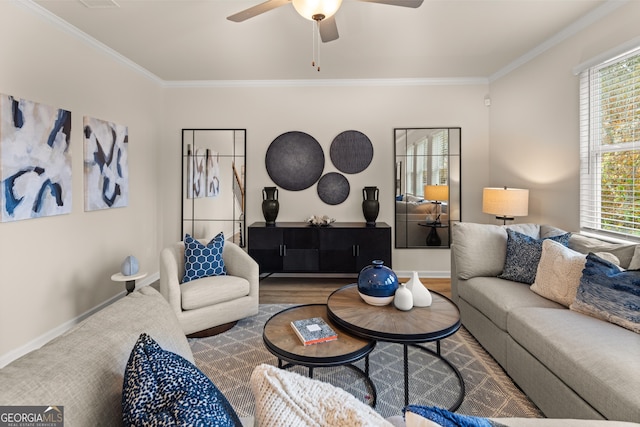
(610,146)
(427,161)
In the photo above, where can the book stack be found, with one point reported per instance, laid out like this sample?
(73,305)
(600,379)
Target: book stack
(314,330)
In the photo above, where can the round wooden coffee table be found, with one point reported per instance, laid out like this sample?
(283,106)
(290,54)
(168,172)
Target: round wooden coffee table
(418,325)
(282,342)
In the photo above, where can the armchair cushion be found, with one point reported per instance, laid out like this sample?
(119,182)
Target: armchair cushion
(213,290)
(203,261)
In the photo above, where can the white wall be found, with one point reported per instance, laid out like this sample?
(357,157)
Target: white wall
(54,269)
(324,112)
(534,120)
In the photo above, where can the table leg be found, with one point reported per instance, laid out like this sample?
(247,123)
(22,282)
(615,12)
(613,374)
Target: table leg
(406,375)
(131,286)
(310,372)
(366,365)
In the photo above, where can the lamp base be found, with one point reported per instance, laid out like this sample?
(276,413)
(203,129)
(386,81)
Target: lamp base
(505,219)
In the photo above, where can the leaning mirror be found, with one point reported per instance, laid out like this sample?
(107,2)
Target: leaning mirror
(213,183)
(427,186)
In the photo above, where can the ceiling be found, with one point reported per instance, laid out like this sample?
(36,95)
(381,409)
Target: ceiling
(191,40)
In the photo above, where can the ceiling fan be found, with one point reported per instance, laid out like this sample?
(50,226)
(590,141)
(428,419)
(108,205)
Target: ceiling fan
(321,11)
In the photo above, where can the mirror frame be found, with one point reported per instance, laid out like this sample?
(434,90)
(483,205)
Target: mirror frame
(420,223)
(213,199)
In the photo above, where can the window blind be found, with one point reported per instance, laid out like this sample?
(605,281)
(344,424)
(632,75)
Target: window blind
(610,146)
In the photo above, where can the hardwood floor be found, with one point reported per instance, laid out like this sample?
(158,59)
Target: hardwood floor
(313,290)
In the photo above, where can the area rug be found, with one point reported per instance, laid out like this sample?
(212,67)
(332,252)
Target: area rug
(229,358)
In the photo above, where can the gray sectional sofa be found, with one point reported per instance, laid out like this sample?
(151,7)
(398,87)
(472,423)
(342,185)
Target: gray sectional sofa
(570,364)
(82,370)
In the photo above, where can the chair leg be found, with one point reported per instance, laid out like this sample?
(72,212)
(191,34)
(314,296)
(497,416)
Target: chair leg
(213,331)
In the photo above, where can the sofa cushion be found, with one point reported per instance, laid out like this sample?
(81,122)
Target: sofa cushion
(480,249)
(559,272)
(597,359)
(584,244)
(209,291)
(496,298)
(609,294)
(523,255)
(634,264)
(432,416)
(203,260)
(288,399)
(162,388)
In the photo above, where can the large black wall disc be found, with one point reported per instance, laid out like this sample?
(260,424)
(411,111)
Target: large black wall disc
(333,188)
(294,161)
(351,151)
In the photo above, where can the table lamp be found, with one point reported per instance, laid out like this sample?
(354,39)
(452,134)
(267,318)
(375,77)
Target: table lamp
(505,203)
(437,194)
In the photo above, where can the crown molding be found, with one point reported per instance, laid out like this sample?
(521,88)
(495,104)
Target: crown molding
(446,81)
(579,25)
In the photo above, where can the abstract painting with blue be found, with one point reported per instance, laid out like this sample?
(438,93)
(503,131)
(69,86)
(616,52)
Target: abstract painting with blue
(106,168)
(35,159)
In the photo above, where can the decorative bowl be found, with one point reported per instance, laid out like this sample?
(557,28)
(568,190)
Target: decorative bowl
(320,221)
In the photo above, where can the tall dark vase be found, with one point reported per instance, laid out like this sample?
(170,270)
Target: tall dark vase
(270,204)
(370,204)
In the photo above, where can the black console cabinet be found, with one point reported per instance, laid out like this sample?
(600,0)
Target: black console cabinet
(296,247)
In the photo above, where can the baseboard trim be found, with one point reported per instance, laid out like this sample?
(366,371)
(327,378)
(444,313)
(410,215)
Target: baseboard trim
(38,342)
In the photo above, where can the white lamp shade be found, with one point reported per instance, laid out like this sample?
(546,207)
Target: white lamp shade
(309,8)
(507,202)
(439,193)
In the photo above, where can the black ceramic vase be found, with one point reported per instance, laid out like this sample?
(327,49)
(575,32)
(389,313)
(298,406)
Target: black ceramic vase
(370,204)
(270,204)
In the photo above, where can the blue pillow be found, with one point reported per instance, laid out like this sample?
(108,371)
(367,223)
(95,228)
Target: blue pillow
(608,293)
(449,419)
(203,261)
(163,388)
(523,255)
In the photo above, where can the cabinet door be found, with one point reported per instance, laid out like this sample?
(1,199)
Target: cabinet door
(338,250)
(266,246)
(300,250)
(371,244)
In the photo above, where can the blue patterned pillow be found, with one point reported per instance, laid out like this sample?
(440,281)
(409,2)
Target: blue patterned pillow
(446,418)
(163,388)
(523,255)
(608,293)
(203,261)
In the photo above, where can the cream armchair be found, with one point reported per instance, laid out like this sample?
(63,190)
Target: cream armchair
(210,305)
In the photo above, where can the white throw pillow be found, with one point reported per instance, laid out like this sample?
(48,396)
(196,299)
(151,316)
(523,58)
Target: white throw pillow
(559,272)
(287,399)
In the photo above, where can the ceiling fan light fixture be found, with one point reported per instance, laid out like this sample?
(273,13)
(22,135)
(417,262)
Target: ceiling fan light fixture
(313,9)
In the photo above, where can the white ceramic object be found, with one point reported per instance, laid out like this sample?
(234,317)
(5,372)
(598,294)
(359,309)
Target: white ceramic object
(403,299)
(379,301)
(421,295)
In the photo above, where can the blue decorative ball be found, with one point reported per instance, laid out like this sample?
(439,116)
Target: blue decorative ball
(129,266)
(377,280)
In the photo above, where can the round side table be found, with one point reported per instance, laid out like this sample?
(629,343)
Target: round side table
(130,281)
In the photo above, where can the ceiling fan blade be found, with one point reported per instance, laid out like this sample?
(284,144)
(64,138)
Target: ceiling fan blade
(257,10)
(403,3)
(328,29)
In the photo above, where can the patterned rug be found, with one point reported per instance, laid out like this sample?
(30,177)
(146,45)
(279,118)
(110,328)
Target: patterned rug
(229,358)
